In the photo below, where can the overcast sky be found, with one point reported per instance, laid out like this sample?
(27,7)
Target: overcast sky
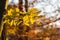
(15,1)
(45,5)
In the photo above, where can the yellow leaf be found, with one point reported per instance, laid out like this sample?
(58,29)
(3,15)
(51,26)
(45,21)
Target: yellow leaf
(26,20)
(32,10)
(32,20)
(11,23)
(17,10)
(9,13)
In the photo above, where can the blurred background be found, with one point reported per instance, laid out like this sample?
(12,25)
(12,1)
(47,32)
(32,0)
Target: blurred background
(40,24)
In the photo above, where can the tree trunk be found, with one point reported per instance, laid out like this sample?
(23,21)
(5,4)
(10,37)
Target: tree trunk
(21,5)
(2,10)
(26,5)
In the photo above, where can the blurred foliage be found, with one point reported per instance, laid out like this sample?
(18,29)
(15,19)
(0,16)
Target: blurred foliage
(18,22)
(15,17)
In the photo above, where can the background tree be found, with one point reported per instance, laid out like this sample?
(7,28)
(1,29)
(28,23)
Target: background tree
(21,5)
(26,5)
